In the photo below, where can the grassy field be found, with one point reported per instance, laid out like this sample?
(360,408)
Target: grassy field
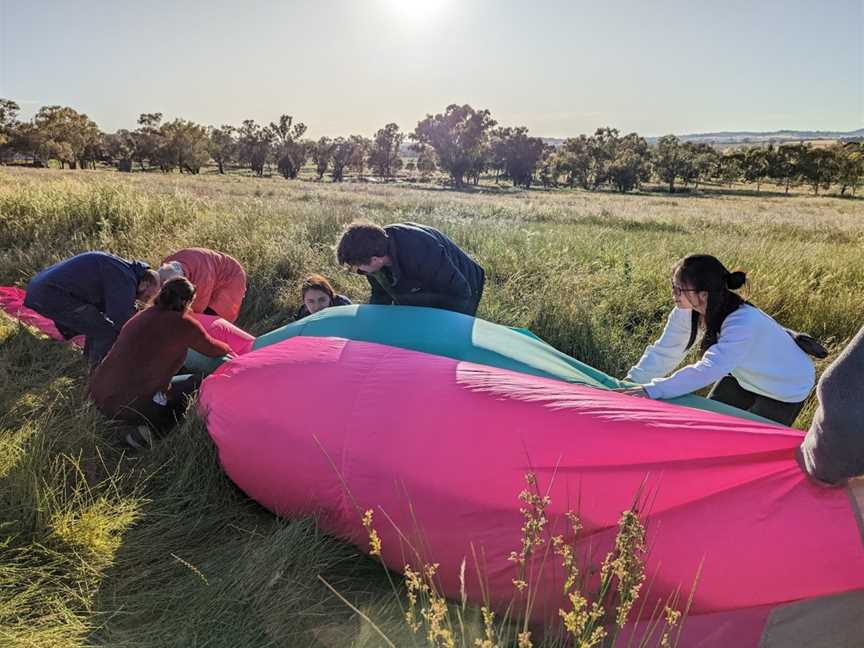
(100,548)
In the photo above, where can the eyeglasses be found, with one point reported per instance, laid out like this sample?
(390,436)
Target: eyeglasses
(677,290)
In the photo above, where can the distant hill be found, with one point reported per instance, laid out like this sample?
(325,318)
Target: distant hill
(751,137)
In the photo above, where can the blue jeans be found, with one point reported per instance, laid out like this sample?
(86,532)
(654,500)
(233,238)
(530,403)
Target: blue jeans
(72,317)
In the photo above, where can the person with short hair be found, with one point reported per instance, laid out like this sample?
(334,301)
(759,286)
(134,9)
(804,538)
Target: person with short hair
(833,450)
(92,294)
(134,382)
(318,294)
(752,362)
(219,280)
(412,265)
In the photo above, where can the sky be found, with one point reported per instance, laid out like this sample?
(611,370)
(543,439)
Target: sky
(559,67)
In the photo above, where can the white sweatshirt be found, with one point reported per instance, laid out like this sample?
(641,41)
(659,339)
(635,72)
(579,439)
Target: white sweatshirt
(755,349)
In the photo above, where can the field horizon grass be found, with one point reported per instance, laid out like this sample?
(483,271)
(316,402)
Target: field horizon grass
(102,547)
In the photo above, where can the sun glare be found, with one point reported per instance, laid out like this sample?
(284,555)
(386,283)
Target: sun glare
(417,11)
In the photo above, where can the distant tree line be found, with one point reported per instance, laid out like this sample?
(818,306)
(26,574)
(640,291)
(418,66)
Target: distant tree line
(461,142)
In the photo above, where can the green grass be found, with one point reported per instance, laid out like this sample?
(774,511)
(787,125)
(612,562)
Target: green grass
(100,548)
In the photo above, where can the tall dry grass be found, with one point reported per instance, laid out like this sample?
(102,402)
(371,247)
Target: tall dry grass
(101,548)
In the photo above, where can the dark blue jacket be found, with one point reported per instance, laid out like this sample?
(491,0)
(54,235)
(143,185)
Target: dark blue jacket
(428,269)
(107,282)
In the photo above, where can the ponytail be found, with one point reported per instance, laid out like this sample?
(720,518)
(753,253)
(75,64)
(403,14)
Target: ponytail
(176,295)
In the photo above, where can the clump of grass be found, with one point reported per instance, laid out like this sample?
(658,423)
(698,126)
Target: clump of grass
(593,614)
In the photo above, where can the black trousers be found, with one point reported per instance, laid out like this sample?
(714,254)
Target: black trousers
(75,317)
(161,418)
(730,392)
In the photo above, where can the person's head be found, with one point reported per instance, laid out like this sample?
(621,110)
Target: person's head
(363,247)
(170,270)
(176,295)
(317,293)
(702,283)
(148,286)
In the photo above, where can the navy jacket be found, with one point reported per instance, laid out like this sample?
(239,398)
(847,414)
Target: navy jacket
(428,269)
(340,300)
(107,282)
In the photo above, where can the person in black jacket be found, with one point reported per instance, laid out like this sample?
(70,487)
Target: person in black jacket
(318,294)
(92,294)
(412,265)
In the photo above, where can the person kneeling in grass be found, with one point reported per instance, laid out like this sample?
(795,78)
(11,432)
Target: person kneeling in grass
(756,363)
(134,382)
(318,294)
(92,294)
(833,450)
(412,265)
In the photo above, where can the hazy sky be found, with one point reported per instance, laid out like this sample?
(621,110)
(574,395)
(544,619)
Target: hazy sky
(560,67)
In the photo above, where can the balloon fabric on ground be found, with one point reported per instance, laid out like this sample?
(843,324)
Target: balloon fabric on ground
(441,447)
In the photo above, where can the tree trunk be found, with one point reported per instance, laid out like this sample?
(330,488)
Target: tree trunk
(221,166)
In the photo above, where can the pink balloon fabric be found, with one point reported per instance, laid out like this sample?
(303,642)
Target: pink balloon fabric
(239,340)
(439,449)
(12,302)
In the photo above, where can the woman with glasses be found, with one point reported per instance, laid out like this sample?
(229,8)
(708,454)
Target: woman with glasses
(752,362)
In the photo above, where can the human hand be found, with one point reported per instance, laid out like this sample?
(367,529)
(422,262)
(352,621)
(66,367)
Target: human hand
(638,391)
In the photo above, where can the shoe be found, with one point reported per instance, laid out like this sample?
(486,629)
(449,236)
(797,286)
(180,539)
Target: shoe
(141,438)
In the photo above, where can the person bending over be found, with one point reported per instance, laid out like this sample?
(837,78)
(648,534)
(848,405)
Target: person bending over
(753,362)
(833,450)
(92,294)
(134,382)
(219,280)
(412,265)
(318,294)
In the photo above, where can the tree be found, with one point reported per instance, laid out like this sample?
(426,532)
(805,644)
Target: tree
(322,151)
(425,161)
(546,171)
(184,145)
(289,150)
(755,166)
(66,135)
(147,138)
(8,123)
(222,145)
(850,165)
(703,161)
(573,160)
(518,153)
(785,164)
(729,167)
(253,146)
(602,147)
(629,164)
(362,146)
(118,149)
(818,167)
(385,150)
(457,136)
(343,152)
(669,160)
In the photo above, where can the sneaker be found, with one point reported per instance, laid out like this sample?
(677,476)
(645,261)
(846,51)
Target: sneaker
(141,438)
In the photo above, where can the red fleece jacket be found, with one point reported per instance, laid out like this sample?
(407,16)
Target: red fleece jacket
(148,352)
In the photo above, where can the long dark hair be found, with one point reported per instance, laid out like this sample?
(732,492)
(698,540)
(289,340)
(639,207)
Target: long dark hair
(705,272)
(176,295)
